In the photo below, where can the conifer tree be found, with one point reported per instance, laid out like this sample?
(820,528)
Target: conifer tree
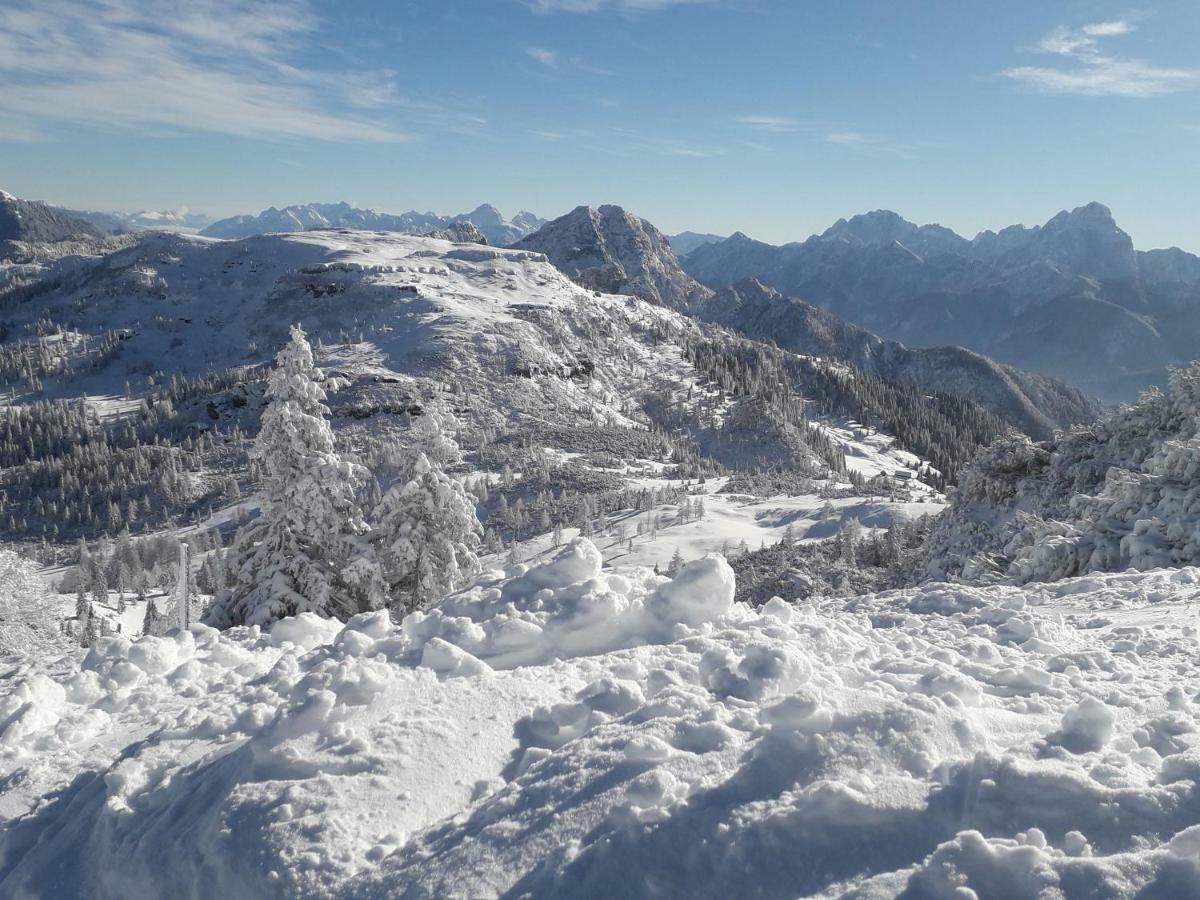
(426,529)
(675,564)
(306,551)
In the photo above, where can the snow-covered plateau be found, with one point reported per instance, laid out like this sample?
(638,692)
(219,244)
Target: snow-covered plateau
(568,730)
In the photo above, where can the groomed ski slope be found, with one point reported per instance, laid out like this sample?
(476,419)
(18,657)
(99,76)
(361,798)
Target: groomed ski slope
(567,731)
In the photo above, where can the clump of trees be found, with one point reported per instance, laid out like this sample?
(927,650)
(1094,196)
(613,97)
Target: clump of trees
(312,548)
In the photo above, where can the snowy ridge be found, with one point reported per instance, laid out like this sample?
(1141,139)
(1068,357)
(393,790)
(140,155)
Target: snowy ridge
(1011,741)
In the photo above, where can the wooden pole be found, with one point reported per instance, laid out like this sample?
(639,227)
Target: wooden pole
(185,604)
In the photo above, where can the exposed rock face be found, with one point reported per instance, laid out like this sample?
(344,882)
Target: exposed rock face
(460,233)
(608,249)
(1071,298)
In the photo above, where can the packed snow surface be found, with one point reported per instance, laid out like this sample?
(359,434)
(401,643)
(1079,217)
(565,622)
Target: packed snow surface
(568,730)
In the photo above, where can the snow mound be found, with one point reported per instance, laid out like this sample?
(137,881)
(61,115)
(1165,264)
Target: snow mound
(567,607)
(566,730)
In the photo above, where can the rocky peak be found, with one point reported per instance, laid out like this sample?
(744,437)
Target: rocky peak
(607,248)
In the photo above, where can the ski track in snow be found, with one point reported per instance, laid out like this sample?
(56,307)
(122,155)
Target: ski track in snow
(568,730)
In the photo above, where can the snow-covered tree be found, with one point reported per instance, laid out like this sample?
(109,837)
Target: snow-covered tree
(154,623)
(675,564)
(426,531)
(307,551)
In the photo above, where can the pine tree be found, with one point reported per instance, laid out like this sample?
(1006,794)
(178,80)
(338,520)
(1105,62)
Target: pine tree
(427,534)
(675,564)
(306,551)
(90,632)
(152,624)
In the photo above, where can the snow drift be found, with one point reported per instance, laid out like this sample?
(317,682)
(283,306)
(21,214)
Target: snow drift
(567,730)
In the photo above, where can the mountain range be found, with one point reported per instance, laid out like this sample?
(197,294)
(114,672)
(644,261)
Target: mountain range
(610,250)
(183,220)
(1071,298)
(498,230)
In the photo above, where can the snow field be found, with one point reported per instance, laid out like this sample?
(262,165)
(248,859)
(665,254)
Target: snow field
(562,729)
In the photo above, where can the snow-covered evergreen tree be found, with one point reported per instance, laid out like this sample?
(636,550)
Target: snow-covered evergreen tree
(675,564)
(426,528)
(307,550)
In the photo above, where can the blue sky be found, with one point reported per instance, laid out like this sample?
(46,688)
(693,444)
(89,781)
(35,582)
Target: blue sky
(774,118)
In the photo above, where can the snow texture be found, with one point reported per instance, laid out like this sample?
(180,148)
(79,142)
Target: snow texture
(568,730)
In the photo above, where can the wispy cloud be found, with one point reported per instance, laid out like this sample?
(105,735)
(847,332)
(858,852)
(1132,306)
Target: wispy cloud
(546,57)
(552,59)
(589,6)
(831,133)
(165,66)
(1087,69)
(777,124)
(880,143)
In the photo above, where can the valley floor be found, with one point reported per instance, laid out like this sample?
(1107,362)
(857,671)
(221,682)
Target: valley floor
(574,730)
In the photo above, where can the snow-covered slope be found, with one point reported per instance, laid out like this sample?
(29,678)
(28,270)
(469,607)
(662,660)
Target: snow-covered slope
(1033,403)
(29,221)
(564,731)
(499,335)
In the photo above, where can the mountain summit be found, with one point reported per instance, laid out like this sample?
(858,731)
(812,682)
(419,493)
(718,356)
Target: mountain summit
(608,249)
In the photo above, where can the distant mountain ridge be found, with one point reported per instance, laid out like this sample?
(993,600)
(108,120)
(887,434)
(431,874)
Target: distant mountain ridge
(181,220)
(687,241)
(1071,298)
(30,221)
(308,216)
(1034,403)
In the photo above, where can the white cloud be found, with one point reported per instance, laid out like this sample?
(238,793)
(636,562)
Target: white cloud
(165,66)
(541,54)
(769,123)
(1091,71)
(1108,29)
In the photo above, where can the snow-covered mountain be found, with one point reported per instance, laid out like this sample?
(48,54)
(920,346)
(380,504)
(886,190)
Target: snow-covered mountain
(183,220)
(28,221)
(306,217)
(687,241)
(1071,298)
(608,249)
(1034,403)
